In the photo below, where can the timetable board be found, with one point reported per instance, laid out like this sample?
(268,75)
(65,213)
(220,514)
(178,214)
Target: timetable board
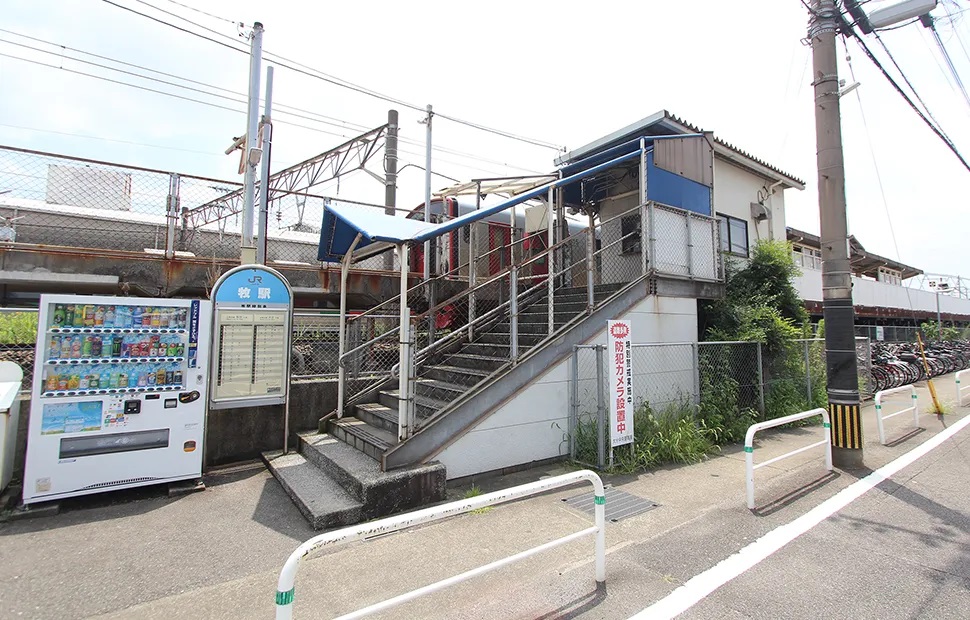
(251,338)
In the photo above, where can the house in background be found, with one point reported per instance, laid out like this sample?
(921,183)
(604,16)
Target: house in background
(882,290)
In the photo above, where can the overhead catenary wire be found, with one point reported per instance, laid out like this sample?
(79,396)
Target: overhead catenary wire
(316,73)
(949,63)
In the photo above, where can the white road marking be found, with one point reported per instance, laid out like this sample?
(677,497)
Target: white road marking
(699,586)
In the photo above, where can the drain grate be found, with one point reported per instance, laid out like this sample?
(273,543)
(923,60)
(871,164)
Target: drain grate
(619,504)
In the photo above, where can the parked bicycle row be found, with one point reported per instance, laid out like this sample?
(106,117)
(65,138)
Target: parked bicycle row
(897,364)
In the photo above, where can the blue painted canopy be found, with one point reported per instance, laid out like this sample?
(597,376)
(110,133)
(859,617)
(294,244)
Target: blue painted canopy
(342,223)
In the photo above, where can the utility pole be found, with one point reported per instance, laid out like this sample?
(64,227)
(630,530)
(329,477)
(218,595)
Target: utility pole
(840,352)
(427,192)
(264,170)
(390,176)
(251,153)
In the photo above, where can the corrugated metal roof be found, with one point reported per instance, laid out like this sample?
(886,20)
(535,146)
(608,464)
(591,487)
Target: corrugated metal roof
(664,119)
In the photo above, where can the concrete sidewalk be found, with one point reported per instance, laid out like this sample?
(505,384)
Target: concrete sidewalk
(217,554)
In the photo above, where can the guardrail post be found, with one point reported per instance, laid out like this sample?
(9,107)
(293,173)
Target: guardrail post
(749,465)
(880,419)
(960,389)
(514,313)
(286,582)
(600,409)
(761,382)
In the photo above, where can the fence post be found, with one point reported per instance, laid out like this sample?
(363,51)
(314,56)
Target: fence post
(600,409)
(590,265)
(514,313)
(643,241)
(653,237)
(697,372)
(690,248)
(761,382)
(808,376)
(171,214)
(574,403)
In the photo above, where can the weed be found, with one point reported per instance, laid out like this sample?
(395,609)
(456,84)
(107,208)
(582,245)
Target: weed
(475,491)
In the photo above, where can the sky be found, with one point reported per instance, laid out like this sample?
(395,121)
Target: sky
(564,73)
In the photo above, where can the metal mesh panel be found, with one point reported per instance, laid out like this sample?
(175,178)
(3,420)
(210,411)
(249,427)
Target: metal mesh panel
(18,336)
(59,201)
(729,378)
(663,375)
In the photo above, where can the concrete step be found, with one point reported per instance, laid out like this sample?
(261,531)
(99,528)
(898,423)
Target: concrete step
(481,362)
(424,406)
(528,339)
(495,351)
(381,493)
(370,440)
(323,501)
(537,329)
(377,415)
(456,374)
(440,390)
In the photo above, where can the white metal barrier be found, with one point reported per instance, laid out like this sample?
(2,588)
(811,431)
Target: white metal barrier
(960,390)
(754,428)
(880,417)
(285,586)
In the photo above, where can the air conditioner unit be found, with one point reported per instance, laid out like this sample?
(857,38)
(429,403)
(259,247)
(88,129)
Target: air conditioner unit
(759,212)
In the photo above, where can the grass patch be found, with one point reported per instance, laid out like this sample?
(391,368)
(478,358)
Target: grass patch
(475,491)
(18,328)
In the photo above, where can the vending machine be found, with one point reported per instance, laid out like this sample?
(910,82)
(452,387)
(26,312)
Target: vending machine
(119,394)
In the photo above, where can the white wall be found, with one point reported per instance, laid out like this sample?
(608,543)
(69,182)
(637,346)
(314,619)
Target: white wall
(873,293)
(735,189)
(533,424)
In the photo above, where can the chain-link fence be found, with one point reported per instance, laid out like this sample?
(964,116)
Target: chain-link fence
(725,385)
(18,337)
(66,203)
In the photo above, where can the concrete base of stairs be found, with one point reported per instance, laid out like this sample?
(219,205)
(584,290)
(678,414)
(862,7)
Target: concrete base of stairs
(334,484)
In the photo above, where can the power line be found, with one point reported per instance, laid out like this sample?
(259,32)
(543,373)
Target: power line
(162,92)
(192,8)
(282,108)
(80,135)
(949,62)
(906,79)
(316,73)
(946,140)
(875,165)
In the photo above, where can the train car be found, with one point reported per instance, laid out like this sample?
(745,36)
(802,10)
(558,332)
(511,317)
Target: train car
(451,252)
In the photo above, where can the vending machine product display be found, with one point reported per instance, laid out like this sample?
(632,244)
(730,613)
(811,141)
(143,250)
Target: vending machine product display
(119,394)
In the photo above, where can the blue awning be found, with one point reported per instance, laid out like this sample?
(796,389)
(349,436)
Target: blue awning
(342,223)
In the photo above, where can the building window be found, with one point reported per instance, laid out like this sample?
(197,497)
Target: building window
(734,235)
(630,231)
(890,276)
(807,258)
